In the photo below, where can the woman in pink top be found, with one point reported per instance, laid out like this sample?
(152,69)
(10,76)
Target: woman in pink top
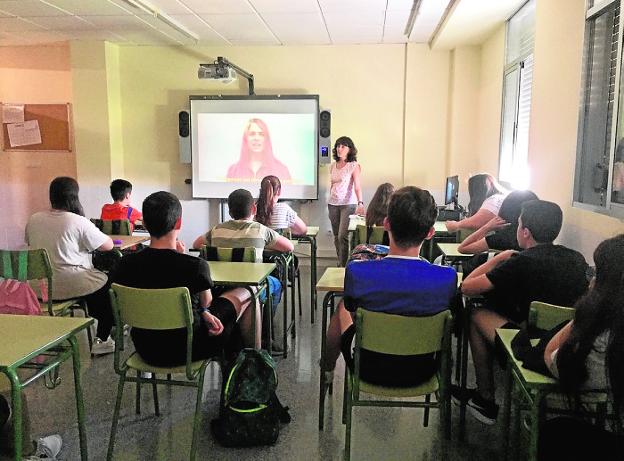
(345,194)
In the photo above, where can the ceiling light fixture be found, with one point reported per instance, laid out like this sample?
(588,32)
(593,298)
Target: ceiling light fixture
(411,20)
(150,9)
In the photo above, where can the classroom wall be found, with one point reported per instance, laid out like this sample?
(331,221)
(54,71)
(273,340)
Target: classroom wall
(31,74)
(554,119)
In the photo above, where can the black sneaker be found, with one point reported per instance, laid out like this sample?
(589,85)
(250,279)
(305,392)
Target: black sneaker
(485,411)
(461,396)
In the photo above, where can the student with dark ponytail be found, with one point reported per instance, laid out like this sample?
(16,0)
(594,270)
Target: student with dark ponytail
(274,214)
(588,353)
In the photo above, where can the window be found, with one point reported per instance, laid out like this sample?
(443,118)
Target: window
(599,177)
(517,81)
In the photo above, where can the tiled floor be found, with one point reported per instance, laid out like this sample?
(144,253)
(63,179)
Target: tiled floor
(377,433)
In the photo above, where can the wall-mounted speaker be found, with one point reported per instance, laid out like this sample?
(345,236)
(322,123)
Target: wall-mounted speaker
(325,146)
(184,136)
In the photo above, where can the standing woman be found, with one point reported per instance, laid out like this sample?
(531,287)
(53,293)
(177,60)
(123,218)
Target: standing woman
(345,194)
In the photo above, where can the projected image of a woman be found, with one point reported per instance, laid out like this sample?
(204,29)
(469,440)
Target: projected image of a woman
(256,155)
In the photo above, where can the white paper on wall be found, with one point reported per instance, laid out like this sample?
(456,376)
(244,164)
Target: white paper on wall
(24,134)
(12,113)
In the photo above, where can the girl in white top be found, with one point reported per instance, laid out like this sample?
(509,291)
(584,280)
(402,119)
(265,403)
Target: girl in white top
(345,194)
(273,214)
(69,238)
(486,197)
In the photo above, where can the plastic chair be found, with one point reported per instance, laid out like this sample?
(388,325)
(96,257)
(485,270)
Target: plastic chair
(154,309)
(39,268)
(401,335)
(293,275)
(546,316)
(113,227)
(375,235)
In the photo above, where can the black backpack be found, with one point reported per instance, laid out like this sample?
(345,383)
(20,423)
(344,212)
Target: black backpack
(250,413)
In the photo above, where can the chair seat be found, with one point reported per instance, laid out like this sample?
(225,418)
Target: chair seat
(136,362)
(428,387)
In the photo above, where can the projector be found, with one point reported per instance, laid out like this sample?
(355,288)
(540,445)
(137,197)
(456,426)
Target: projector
(217,71)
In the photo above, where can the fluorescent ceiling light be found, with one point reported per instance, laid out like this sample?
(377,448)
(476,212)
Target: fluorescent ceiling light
(150,9)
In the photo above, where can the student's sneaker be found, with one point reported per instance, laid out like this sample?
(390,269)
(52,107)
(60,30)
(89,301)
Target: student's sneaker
(461,396)
(103,347)
(483,410)
(49,447)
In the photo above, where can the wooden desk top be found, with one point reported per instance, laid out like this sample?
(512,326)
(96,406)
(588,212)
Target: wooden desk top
(23,337)
(229,273)
(530,378)
(450,251)
(332,279)
(128,241)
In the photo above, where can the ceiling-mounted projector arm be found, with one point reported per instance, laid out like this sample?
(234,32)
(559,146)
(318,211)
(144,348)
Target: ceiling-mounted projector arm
(219,70)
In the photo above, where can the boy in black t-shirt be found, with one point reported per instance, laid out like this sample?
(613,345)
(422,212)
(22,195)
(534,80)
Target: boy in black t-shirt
(510,282)
(163,265)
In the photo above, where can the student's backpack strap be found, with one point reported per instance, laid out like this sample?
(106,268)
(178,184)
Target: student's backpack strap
(129,212)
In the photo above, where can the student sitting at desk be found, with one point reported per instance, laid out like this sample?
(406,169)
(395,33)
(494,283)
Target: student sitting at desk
(486,198)
(500,232)
(588,353)
(69,238)
(510,282)
(402,283)
(242,231)
(378,207)
(274,214)
(121,190)
(163,265)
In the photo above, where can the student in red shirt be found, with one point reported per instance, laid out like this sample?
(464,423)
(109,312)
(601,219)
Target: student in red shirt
(121,190)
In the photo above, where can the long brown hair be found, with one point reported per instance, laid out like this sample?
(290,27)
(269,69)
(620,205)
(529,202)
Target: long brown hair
(269,188)
(64,195)
(378,207)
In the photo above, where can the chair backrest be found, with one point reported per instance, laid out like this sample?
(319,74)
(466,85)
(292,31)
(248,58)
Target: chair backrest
(237,255)
(38,267)
(372,234)
(113,226)
(546,316)
(402,335)
(152,309)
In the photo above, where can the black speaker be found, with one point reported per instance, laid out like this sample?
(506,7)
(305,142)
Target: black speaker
(184,136)
(325,136)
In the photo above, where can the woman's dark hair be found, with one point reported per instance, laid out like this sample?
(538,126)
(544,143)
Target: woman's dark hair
(378,207)
(600,310)
(269,188)
(480,187)
(64,195)
(346,141)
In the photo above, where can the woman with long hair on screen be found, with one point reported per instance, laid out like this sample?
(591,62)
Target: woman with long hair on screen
(256,155)
(274,214)
(345,194)
(486,196)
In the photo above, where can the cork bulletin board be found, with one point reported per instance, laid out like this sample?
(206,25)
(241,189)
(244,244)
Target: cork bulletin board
(54,125)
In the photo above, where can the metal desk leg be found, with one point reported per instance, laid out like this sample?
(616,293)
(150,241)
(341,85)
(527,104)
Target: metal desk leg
(79,402)
(464,373)
(16,409)
(313,299)
(535,415)
(507,410)
(326,303)
(284,282)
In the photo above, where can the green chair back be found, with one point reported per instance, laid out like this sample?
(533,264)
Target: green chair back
(113,227)
(372,234)
(238,255)
(546,316)
(402,335)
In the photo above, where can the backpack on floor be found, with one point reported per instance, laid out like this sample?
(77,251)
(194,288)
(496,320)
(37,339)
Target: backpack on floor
(250,413)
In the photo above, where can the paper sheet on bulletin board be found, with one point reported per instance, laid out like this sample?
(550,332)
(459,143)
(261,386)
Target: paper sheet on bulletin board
(36,127)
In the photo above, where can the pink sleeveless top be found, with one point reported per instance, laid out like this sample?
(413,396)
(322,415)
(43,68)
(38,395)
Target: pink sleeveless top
(342,191)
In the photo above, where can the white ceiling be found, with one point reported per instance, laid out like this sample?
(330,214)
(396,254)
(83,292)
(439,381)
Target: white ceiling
(231,22)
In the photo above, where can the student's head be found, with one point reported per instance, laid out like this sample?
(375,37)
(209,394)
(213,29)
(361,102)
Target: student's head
(512,205)
(378,207)
(162,212)
(241,204)
(270,189)
(64,195)
(539,220)
(480,187)
(608,258)
(411,215)
(344,148)
(119,189)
